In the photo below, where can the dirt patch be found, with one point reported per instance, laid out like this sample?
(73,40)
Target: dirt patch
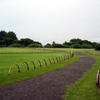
(49,86)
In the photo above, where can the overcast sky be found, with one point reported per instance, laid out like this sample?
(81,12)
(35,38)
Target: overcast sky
(51,20)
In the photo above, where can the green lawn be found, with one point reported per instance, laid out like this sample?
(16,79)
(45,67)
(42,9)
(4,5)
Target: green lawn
(85,88)
(11,56)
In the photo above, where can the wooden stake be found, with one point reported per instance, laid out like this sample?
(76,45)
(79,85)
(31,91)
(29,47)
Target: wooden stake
(40,63)
(53,60)
(50,61)
(57,59)
(34,66)
(18,67)
(27,66)
(45,62)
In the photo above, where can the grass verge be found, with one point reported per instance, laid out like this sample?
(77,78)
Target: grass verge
(85,88)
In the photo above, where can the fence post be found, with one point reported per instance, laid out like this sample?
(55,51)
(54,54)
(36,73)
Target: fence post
(27,66)
(18,67)
(34,66)
(98,79)
(62,58)
(45,62)
(50,61)
(53,60)
(9,71)
(40,63)
(57,59)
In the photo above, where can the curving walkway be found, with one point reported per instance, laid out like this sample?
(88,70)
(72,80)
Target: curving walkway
(49,86)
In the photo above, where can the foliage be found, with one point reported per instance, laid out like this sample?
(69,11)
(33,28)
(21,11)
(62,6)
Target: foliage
(66,45)
(3,35)
(97,47)
(48,45)
(9,38)
(75,41)
(76,46)
(86,46)
(15,45)
(56,45)
(34,45)
(25,42)
(12,35)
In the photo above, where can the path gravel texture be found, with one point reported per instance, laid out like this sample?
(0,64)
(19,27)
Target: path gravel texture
(49,86)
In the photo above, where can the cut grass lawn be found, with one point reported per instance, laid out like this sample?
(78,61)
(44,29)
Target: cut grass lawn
(10,56)
(85,88)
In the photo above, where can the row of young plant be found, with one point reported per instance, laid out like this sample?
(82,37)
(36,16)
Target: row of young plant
(41,63)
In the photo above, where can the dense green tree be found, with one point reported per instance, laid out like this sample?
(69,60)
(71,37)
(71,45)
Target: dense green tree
(25,42)
(76,46)
(97,47)
(38,43)
(56,45)
(7,38)
(48,45)
(66,45)
(35,45)
(94,44)
(8,41)
(12,35)
(15,45)
(2,43)
(87,46)
(53,44)
(76,41)
(3,35)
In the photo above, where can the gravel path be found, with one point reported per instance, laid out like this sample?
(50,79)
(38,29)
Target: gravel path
(49,86)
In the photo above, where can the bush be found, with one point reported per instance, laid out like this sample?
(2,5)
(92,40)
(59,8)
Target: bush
(25,42)
(97,47)
(3,45)
(35,46)
(86,46)
(76,46)
(48,45)
(57,45)
(15,45)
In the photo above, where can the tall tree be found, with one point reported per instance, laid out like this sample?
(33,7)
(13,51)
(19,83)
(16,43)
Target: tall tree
(76,41)
(3,35)
(12,35)
(26,41)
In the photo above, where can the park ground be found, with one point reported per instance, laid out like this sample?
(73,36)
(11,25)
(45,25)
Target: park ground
(83,89)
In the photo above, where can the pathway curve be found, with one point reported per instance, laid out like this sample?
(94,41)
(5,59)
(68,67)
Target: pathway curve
(49,86)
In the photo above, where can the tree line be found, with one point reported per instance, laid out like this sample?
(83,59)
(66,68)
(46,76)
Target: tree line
(9,39)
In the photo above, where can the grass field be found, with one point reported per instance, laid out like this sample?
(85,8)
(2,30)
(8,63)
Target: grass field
(85,88)
(11,56)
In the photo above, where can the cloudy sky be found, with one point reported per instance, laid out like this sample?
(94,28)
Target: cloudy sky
(51,20)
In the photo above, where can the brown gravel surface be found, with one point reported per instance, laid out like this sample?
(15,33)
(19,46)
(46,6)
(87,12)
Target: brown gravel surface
(49,86)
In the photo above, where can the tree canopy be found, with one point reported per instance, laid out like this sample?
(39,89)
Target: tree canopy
(9,39)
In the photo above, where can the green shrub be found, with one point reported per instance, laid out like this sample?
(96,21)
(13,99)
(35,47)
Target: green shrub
(86,46)
(15,45)
(76,46)
(3,45)
(35,46)
(97,47)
